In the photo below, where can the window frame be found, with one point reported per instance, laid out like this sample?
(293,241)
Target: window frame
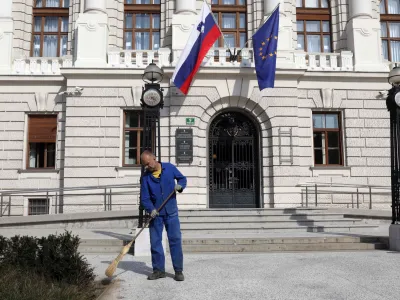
(219,9)
(389,18)
(325,131)
(135,9)
(139,138)
(43,12)
(27,165)
(315,14)
(30,206)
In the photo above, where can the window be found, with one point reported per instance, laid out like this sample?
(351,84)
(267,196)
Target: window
(50,28)
(313,26)
(38,207)
(390,29)
(142,24)
(327,139)
(42,137)
(231,17)
(133,137)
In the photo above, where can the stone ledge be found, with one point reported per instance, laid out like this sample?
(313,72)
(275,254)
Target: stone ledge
(48,219)
(363,213)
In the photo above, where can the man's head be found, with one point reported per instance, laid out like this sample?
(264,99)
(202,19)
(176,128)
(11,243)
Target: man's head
(149,161)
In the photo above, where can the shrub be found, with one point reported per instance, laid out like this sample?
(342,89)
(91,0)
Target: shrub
(17,284)
(53,257)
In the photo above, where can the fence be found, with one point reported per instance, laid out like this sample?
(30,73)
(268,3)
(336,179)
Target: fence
(24,202)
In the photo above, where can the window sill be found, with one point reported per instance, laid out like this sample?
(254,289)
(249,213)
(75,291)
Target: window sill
(342,171)
(39,173)
(128,171)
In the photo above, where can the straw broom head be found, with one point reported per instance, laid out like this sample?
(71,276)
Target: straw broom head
(113,266)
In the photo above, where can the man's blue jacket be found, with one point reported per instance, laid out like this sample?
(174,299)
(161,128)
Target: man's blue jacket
(155,190)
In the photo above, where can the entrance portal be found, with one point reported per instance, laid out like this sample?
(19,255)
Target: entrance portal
(233,162)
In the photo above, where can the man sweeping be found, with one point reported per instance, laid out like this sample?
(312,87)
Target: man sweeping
(157,183)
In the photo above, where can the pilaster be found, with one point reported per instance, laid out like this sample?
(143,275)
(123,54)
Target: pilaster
(6,36)
(285,40)
(363,37)
(92,36)
(183,20)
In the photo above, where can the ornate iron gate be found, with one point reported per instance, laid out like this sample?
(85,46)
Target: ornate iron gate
(233,162)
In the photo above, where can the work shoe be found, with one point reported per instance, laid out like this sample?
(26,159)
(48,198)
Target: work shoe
(156,275)
(179,276)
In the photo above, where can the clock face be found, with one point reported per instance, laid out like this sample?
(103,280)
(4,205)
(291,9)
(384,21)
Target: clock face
(151,97)
(397,99)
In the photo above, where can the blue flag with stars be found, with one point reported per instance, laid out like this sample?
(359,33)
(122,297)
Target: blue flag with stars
(265,44)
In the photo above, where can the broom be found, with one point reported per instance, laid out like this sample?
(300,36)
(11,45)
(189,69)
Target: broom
(113,266)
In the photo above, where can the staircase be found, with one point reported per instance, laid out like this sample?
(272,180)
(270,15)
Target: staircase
(261,230)
(264,230)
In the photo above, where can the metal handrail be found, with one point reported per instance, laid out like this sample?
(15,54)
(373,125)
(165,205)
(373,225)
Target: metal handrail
(60,194)
(96,187)
(320,188)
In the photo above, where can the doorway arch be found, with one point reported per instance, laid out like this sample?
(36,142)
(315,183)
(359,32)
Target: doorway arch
(234,168)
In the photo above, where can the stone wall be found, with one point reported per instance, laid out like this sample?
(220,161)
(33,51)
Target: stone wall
(14,111)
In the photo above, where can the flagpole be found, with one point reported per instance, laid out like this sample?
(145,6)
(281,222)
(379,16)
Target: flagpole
(216,22)
(276,7)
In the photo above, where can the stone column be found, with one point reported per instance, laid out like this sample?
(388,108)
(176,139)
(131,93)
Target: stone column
(92,36)
(364,38)
(360,9)
(183,19)
(185,7)
(285,40)
(6,36)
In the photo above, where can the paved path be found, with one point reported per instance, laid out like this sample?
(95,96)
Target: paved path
(322,275)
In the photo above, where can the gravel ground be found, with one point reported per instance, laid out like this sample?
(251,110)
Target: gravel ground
(369,275)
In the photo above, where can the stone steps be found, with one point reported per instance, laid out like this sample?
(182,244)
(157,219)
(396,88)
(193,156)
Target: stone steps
(265,224)
(262,230)
(261,217)
(283,244)
(250,212)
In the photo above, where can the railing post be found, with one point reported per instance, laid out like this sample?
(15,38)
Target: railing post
(1,206)
(358,206)
(9,205)
(306,196)
(110,202)
(56,204)
(105,199)
(316,195)
(370,198)
(47,198)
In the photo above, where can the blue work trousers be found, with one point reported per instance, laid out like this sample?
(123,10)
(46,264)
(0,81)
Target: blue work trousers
(172,226)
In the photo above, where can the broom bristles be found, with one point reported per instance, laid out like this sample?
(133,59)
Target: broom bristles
(113,266)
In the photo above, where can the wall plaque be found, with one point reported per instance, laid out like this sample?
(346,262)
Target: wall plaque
(184,145)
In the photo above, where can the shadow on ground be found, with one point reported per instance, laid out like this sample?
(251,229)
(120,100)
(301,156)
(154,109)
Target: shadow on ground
(137,267)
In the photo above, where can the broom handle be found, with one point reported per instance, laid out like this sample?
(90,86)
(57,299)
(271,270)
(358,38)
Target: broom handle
(158,210)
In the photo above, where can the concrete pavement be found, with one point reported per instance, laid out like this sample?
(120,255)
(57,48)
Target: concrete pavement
(273,276)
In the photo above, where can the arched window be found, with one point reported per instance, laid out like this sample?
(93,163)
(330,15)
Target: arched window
(313,26)
(390,29)
(231,18)
(142,24)
(50,28)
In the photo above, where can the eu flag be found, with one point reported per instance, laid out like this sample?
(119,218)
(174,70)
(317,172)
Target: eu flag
(265,44)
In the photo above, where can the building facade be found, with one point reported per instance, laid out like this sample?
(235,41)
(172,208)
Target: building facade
(71,82)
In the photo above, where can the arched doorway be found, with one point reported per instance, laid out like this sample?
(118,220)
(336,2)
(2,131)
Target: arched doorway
(233,162)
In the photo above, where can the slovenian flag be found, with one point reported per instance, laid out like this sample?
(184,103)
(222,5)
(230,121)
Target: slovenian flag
(202,38)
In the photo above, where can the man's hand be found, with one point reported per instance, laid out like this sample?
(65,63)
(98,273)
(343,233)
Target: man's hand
(178,188)
(154,213)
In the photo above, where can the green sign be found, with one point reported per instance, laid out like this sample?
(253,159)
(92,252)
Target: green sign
(189,121)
